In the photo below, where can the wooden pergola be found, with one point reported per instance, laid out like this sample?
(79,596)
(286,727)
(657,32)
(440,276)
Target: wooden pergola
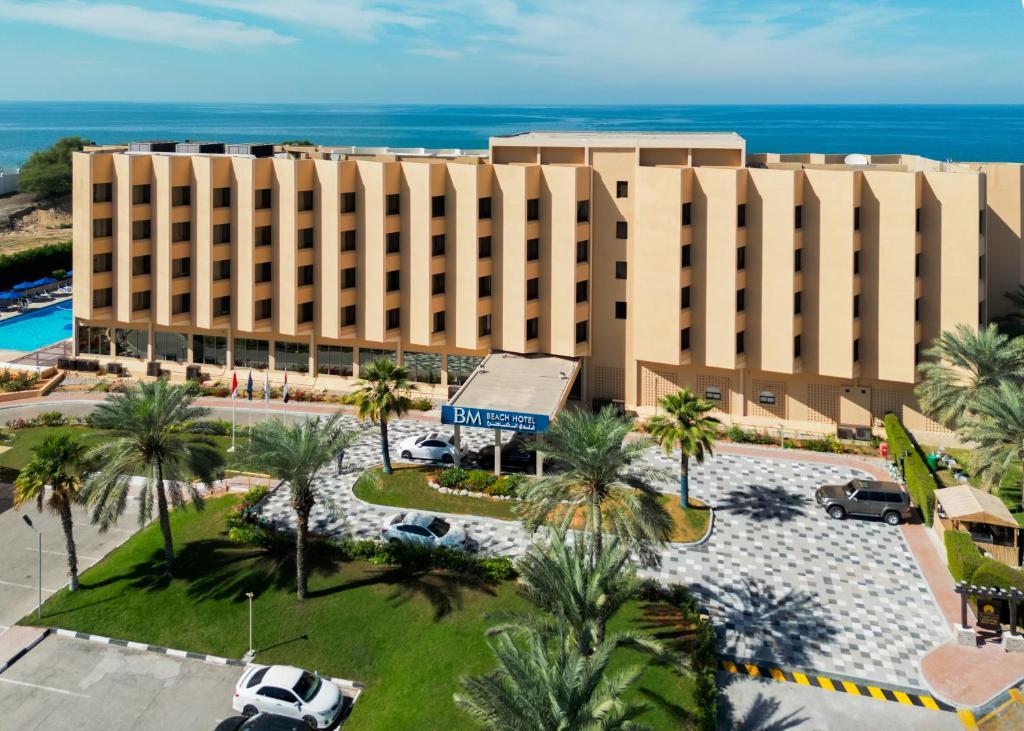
(984,517)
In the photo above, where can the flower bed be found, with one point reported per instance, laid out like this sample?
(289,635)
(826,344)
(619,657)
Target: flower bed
(459,481)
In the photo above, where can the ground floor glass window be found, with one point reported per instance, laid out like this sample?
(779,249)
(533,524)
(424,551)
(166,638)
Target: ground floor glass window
(170,346)
(293,357)
(423,367)
(368,355)
(210,349)
(334,360)
(93,340)
(460,366)
(131,343)
(250,353)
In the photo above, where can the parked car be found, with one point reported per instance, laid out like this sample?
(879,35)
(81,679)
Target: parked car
(261,722)
(286,691)
(435,447)
(426,530)
(516,456)
(885,500)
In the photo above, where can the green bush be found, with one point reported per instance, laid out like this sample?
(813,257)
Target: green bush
(479,481)
(47,173)
(453,478)
(506,486)
(921,481)
(422,404)
(829,443)
(738,435)
(993,573)
(34,263)
(962,555)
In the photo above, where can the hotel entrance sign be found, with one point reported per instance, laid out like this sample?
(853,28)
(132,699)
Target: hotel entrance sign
(494,419)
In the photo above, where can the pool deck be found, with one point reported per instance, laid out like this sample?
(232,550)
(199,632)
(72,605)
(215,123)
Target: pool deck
(5,315)
(23,356)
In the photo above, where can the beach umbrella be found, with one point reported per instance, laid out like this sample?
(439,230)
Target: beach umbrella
(10,295)
(43,282)
(22,286)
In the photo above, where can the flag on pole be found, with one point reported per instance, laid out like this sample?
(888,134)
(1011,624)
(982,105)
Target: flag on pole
(248,386)
(234,384)
(266,386)
(284,392)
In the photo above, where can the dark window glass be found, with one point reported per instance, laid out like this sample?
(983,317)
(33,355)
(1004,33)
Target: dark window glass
(181,231)
(221,306)
(687,255)
(687,214)
(423,367)
(393,281)
(181,267)
(798,302)
(140,230)
(264,272)
(532,328)
(856,305)
(739,343)
(102,227)
(348,315)
(305,202)
(532,288)
(437,206)
(437,283)
(264,309)
(209,349)
(981,266)
(348,240)
(394,318)
(222,233)
(251,353)
(392,204)
(437,245)
(483,287)
(181,303)
(181,195)
(140,301)
(581,332)
(684,339)
(484,327)
(348,278)
(140,194)
(620,270)
(917,265)
(305,312)
(741,300)
(484,208)
(264,196)
(798,217)
(392,242)
(532,249)
(621,230)
(305,275)
(334,360)
(348,203)
(741,215)
(798,260)
(439,322)
(292,357)
(221,197)
(131,343)
(856,349)
(741,258)
(856,218)
(533,209)
(917,310)
(622,189)
(484,247)
(102,297)
(981,222)
(684,298)
(797,347)
(222,269)
(102,263)
(102,192)
(620,310)
(856,262)
(305,238)
(141,265)
(582,290)
(582,211)
(264,236)
(582,251)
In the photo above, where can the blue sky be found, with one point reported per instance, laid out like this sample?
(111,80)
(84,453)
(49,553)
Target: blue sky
(515,51)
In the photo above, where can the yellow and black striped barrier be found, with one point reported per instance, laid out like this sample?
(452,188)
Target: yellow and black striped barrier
(906,697)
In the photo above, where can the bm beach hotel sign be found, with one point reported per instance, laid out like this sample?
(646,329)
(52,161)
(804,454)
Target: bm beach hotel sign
(493,419)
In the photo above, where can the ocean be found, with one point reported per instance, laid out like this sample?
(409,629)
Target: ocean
(964,133)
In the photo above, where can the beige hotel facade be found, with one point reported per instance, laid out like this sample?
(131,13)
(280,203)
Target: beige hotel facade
(795,290)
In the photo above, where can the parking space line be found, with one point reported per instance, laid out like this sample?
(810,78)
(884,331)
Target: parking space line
(28,586)
(44,687)
(61,553)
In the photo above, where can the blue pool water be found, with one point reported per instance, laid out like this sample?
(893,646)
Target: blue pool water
(36,328)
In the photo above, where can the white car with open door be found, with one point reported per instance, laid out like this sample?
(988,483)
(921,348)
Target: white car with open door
(435,447)
(288,691)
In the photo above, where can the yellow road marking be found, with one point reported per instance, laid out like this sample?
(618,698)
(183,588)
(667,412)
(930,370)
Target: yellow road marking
(777,674)
(1016,695)
(876,693)
(967,719)
(752,670)
(825,683)
(801,679)
(929,702)
(903,698)
(850,688)
(729,665)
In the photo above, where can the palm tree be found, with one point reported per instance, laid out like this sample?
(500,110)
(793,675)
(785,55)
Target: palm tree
(58,461)
(381,395)
(603,480)
(997,433)
(961,364)
(148,443)
(685,423)
(297,453)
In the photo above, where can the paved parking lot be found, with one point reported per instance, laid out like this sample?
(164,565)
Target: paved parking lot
(71,683)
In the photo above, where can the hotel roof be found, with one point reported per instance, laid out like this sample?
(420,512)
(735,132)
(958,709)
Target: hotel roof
(714,140)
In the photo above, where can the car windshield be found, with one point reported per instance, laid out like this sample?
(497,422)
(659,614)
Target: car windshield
(307,687)
(438,527)
(849,490)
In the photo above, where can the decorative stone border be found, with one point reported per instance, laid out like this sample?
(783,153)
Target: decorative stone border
(469,493)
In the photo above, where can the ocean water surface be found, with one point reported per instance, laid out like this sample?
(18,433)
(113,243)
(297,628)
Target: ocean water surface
(964,133)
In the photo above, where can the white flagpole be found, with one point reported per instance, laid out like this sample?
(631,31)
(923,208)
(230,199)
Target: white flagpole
(266,391)
(233,415)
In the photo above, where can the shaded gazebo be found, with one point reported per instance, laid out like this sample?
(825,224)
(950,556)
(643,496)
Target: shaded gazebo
(984,517)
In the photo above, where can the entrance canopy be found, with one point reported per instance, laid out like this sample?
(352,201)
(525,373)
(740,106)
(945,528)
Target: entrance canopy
(966,503)
(513,393)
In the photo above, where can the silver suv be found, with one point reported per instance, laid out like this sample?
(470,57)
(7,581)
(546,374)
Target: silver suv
(885,500)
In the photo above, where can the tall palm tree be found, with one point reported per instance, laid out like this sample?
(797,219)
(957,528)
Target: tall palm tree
(961,364)
(146,421)
(687,424)
(997,433)
(58,461)
(603,480)
(381,396)
(297,453)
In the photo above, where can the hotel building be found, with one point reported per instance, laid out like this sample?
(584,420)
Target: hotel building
(795,290)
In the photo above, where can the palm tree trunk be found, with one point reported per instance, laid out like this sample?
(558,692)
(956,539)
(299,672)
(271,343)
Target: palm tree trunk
(165,521)
(684,481)
(385,450)
(598,520)
(69,543)
(300,552)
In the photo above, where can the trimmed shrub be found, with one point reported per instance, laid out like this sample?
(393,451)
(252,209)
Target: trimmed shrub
(479,481)
(962,555)
(34,263)
(999,575)
(921,482)
(453,478)
(827,444)
(507,486)
(422,404)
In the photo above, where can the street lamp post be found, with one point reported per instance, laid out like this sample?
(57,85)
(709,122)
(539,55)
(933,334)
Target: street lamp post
(39,535)
(252,653)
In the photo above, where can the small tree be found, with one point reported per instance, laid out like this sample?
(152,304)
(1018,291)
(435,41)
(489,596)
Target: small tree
(997,433)
(47,173)
(381,396)
(687,424)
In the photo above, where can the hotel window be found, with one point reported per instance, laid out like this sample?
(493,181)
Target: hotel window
(620,270)
(221,269)
(264,309)
(368,355)
(582,291)
(483,247)
(348,278)
(221,197)
(102,297)
(140,230)
(209,349)
(264,272)
(305,312)
(917,354)
(798,217)
(102,228)
(334,360)
(684,339)
(582,251)
(181,195)
(741,300)
(532,328)
(130,343)
(264,236)
(766,397)
(483,287)
(348,240)
(181,267)
(264,197)
(222,233)
(684,298)
(622,189)
(797,347)
(393,281)
(620,310)
(687,214)
(181,303)
(221,306)
(741,258)
(170,346)
(856,306)
(856,262)
(437,283)
(141,265)
(102,192)
(305,202)
(917,265)
(437,206)
(798,260)
(102,263)
(981,267)
(392,242)
(439,322)
(856,218)
(532,289)
(348,316)
(581,332)
(917,310)
(422,367)
(532,249)
(437,245)
(348,205)
(739,343)
(741,215)
(687,255)
(621,230)
(181,231)
(533,209)
(392,204)
(917,220)
(140,301)
(305,275)
(484,326)
(582,211)
(305,238)
(484,208)
(460,367)
(140,194)
(713,393)
(856,350)
(394,318)
(981,222)
(251,353)
(798,302)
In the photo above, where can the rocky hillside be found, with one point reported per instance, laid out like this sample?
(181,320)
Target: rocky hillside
(26,222)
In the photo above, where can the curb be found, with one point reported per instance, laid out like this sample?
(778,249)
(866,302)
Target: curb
(24,650)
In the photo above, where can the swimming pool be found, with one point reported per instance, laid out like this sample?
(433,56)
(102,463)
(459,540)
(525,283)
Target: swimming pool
(36,328)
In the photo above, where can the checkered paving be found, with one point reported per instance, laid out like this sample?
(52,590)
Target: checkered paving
(782,581)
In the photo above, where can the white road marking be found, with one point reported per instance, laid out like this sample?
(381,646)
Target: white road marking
(60,553)
(29,586)
(43,687)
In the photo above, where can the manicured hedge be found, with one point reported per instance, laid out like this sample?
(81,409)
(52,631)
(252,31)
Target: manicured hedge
(963,556)
(32,264)
(999,575)
(920,479)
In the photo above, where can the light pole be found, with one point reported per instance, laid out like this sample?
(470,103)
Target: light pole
(39,535)
(252,653)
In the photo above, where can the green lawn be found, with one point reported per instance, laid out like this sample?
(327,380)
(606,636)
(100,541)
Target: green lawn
(407,635)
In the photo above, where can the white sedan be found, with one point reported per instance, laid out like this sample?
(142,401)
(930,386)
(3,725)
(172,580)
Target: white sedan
(286,691)
(427,530)
(435,447)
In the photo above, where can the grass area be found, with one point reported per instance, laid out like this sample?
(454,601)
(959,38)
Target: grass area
(1008,490)
(408,635)
(408,488)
